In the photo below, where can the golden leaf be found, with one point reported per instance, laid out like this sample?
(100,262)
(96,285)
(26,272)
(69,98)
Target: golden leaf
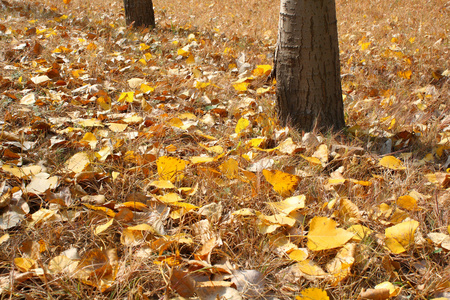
(313,294)
(391,162)
(401,236)
(241,125)
(171,168)
(289,205)
(323,234)
(283,183)
(230,168)
(100,228)
(407,202)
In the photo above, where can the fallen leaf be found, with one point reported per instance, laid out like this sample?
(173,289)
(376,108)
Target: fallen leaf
(323,234)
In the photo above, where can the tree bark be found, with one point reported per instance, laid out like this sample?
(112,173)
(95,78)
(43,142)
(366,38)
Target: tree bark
(309,93)
(139,13)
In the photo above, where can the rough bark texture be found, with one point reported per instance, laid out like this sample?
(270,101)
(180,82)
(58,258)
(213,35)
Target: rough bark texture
(309,92)
(139,13)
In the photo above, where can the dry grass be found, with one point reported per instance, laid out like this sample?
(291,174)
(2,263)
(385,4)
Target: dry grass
(380,42)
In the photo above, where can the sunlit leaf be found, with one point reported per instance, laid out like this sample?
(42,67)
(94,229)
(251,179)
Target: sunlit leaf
(171,168)
(283,183)
(401,236)
(323,234)
(101,228)
(241,125)
(289,205)
(391,162)
(126,96)
(313,294)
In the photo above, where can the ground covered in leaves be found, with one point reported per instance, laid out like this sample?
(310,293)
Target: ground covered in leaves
(149,164)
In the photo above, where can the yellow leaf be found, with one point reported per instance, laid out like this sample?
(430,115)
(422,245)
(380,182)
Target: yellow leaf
(201,159)
(323,234)
(141,227)
(170,168)
(100,228)
(201,85)
(310,268)
(283,183)
(190,60)
(103,153)
(117,127)
(24,264)
(341,264)
(91,47)
(313,294)
(241,87)
(215,149)
(146,88)
(230,168)
(4,238)
(109,212)
(360,231)
(104,102)
(289,205)
(261,90)
(407,202)
(170,198)
(148,56)
(393,290)
(143,61)
(401,236)
(61,263)
(143,47)
(448,229)
(406,74)
(278,219)
(299,255)
(312,160)
(162,184)
(90,139)
(24,173)
(133,205)
(262,70)
(91,123)
(391,162)
(321,153)
(78,163)
(241,125)
(365,46)
(126,96)
(183,52)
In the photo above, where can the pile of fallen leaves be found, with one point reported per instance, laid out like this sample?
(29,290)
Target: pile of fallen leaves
(149,163)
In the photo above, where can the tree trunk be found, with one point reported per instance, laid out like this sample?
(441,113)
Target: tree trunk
(309,93)
(139,13)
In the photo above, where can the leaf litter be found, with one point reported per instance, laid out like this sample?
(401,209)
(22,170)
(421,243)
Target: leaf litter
(157,155)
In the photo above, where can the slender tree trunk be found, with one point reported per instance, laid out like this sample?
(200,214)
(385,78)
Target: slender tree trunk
(309,92)
(139,13)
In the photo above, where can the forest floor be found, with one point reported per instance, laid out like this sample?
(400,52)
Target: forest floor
(149,164)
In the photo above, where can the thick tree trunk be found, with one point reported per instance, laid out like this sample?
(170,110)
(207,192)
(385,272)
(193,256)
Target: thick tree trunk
(309,92)
(139,13)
